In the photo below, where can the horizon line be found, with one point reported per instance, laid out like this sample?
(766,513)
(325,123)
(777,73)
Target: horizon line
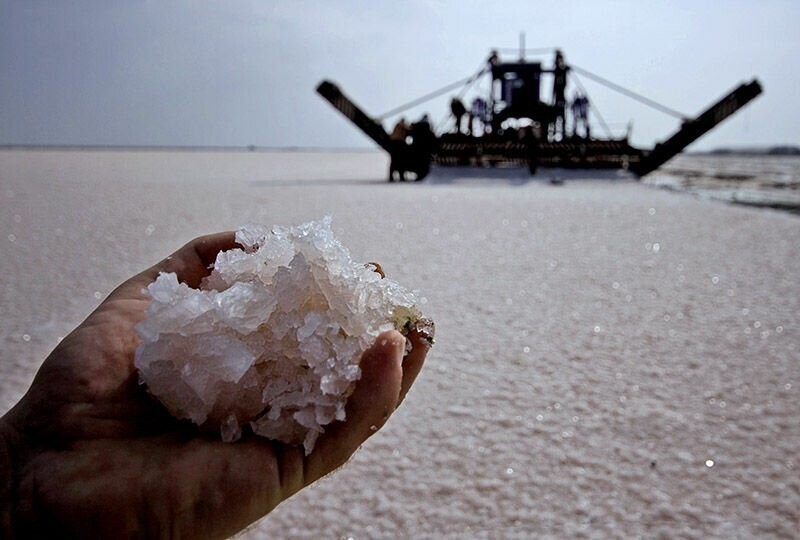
(200,147)
(297,148)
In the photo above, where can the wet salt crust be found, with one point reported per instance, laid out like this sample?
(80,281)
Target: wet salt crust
(272,338)
(518,277)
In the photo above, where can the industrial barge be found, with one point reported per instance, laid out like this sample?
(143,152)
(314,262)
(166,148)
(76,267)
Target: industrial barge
(515,123)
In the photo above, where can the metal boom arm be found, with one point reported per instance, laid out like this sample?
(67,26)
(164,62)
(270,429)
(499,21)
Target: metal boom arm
(693,129)
(372,128)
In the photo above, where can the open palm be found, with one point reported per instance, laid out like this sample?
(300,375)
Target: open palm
(92,455)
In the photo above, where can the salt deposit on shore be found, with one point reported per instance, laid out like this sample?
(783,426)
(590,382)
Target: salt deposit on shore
(611,359)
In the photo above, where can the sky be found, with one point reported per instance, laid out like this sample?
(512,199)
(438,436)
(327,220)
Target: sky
(239,73)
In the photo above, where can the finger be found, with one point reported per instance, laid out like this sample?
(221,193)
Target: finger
(191,264)
(374,399)
(412,363)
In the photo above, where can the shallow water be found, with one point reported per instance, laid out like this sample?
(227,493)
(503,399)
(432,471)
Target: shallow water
(766,181)
(612,360)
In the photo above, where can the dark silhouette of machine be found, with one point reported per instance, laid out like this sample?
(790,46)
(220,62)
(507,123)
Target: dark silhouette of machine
(513,124)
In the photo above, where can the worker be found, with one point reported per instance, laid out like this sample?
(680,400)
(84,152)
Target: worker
(400,131)
(580,115)
(477,113)
(398,161)
(560,69)
(459,111)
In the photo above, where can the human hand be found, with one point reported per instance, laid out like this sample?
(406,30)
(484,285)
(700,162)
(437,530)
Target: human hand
(87,453)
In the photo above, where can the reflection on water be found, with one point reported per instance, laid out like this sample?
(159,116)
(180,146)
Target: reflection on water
(767,181)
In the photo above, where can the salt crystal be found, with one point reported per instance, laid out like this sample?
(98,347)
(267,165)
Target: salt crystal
(273,337)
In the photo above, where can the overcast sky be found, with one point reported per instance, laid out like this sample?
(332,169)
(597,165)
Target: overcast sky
(170,72)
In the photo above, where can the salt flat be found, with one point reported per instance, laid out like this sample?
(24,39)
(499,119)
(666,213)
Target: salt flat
(611,359)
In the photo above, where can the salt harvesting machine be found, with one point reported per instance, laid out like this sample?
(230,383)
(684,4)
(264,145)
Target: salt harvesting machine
(514,125)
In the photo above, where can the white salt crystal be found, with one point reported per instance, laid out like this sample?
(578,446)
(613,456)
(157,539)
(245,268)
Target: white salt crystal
(273,338)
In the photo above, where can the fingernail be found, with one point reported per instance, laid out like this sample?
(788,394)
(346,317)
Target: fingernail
(423,327)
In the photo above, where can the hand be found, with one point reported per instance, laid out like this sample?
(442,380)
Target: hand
(87,453)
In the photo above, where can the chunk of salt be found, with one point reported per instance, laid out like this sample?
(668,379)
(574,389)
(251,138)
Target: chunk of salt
(273,338)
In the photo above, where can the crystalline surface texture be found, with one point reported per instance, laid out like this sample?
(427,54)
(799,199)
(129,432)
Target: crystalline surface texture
(272,338)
